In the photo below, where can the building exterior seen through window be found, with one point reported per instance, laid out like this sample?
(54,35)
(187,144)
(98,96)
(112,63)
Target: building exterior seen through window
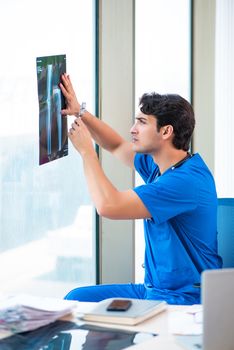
(46,216)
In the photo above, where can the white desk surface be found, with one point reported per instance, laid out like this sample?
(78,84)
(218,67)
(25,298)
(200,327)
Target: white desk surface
(157,324)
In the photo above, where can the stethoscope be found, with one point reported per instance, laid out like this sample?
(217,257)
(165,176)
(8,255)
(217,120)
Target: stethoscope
(189,155)
(173,167)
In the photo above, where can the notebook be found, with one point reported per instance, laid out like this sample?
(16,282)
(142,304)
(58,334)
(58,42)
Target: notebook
(218,313)
(139,311)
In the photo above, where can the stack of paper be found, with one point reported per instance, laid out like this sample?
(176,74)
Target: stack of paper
(25,312)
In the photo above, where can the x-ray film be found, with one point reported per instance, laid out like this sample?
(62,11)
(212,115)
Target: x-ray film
(53,141)
(65,335)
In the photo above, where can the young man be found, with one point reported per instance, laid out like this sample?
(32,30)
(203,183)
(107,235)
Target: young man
(178,201)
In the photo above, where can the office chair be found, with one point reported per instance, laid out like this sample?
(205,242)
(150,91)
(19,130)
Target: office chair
(225,225)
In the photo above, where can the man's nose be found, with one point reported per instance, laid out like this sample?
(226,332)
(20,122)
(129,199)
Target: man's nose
(133,129)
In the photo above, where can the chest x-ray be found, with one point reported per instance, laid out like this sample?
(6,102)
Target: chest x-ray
(53,141)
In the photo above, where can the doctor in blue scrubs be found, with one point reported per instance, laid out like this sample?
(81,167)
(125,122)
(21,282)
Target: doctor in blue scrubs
(177,201)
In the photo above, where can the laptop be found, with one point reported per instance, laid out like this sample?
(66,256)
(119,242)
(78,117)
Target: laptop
(218,313)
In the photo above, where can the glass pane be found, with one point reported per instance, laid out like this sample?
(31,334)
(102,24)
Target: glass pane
(224,87)
(162,65)
(46,217)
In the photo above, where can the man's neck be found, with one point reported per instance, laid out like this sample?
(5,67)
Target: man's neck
(167,159)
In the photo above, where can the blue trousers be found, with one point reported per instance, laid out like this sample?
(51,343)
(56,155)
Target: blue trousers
(105,291)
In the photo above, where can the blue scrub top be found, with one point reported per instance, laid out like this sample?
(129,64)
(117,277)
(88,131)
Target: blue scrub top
(181,236)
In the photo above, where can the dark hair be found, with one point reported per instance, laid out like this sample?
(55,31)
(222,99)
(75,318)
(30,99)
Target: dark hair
(172,110)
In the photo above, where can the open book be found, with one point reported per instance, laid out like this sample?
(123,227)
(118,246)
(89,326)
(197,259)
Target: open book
(139,311)
(26,312)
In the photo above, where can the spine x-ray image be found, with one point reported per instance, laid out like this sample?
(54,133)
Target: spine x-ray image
(52,126)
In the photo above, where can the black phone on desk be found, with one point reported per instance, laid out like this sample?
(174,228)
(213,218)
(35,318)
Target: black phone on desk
(119,305)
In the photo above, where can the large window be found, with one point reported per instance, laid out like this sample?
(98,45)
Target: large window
(224,88)
(163,63)
(46,217)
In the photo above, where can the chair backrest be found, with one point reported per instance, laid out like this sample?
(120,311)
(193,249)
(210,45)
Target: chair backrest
(225,225)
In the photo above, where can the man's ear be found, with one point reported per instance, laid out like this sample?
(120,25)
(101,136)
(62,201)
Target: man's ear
(167,131)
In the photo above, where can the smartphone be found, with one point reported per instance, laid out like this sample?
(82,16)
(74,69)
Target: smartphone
(119,305)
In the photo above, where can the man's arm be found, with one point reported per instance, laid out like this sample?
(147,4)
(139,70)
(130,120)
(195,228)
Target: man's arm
(108,201)
(102,133)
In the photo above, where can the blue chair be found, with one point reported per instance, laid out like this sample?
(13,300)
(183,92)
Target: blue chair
(225,225)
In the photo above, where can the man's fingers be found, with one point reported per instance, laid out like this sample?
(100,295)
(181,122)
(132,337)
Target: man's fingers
(67,82)
(66,89)
(62,87)
(80,121)
(64,112)
(71,131)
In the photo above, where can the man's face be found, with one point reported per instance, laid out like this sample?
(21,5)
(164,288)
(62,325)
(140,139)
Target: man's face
(145,136)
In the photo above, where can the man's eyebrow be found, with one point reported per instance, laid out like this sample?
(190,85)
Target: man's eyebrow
(140,118)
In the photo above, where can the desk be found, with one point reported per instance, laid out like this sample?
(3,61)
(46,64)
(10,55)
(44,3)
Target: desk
(158,324)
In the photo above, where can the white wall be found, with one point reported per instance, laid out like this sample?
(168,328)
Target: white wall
(116,55)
